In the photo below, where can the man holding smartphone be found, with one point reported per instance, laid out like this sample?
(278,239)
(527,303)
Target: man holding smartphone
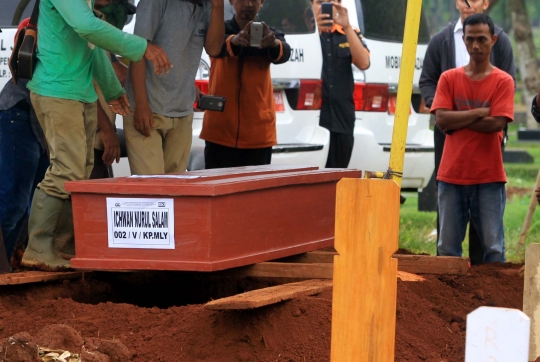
(341,46)
(159,130)
(244,133)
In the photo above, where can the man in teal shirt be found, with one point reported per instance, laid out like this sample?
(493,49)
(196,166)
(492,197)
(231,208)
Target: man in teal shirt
(71,51)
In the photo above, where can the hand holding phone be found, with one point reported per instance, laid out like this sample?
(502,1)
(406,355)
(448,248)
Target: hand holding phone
(211,103)
(256,34)
(326,18)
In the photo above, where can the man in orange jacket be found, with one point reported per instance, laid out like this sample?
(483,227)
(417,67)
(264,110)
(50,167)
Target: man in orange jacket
(243,135)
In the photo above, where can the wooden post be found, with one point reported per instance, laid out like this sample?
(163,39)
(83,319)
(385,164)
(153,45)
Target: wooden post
(531,297)
(365,274)
(366,237)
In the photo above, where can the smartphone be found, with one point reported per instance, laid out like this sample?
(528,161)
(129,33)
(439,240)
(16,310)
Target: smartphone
(328,8)
(256,34)
(211,103)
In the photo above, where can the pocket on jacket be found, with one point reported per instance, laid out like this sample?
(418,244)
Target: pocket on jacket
(343,53)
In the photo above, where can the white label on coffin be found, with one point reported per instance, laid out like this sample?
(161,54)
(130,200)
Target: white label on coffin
(140,223)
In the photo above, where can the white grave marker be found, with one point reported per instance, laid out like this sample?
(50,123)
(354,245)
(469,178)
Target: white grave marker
(497,335)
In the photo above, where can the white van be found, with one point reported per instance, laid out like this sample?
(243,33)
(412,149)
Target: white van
(297,88)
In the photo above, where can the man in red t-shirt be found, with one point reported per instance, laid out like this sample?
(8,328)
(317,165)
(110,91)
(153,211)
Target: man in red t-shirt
(472,105)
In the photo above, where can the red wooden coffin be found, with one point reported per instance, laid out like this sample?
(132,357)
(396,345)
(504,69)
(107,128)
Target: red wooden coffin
(204,220)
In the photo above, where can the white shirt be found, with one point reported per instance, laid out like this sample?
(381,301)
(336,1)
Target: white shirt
(462,56)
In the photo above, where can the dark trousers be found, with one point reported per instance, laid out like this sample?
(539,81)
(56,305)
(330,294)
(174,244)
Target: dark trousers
(340,150)
(23,163)
(219,156)
(476,251)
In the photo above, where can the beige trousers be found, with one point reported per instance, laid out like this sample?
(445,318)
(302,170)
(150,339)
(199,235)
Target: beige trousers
(165,151)
(69,128)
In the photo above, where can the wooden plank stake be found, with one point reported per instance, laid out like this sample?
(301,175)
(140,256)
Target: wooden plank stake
(266,296)
(531,297)
(27,277)
(424,264)
(417,264)
(365,274)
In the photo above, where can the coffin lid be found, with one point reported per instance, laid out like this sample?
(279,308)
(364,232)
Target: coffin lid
(212,182)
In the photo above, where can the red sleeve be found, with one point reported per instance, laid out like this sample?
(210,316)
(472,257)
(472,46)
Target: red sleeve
(502,104)
(443,95)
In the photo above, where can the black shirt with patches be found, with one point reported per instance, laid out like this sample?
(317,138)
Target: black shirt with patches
(337,110)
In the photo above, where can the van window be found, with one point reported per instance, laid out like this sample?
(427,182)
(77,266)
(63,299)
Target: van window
(289,16)
(13,11)
(378,23)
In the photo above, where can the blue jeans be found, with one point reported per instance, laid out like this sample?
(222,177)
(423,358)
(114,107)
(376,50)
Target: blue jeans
(23,163)
(484,205)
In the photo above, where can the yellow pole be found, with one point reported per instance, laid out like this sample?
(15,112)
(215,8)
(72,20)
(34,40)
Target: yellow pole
(403,103)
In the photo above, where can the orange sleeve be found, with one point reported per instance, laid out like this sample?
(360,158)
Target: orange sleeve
(280,51)
(229,48)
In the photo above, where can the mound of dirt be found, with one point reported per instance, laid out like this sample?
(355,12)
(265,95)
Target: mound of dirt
(160,317)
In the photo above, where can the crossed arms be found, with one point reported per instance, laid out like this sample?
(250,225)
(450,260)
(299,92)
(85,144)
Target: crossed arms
(475,119)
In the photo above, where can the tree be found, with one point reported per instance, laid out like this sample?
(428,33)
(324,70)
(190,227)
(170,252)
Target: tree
(528,65)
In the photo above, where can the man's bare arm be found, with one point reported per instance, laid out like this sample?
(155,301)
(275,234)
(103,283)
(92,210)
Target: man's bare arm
(143,120)
(448,120)
(489,124)
(216,30)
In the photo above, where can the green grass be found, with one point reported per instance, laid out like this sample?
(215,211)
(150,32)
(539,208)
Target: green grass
(416,226)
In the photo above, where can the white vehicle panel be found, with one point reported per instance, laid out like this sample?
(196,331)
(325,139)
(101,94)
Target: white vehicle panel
(373,130)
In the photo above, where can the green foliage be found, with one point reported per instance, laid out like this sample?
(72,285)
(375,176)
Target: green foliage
(416,228)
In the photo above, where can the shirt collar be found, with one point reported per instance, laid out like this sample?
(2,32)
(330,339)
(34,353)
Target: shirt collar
(334,28)
(459,26)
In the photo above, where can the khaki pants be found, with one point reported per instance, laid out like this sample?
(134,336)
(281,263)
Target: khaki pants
(165,151)
(69,128)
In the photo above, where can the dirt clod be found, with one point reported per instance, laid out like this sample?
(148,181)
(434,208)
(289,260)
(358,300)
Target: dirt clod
(94,356)
(60,336)
(116,351)
(19,348)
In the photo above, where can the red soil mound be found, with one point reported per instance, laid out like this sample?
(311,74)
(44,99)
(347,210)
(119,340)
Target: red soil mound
(123,307)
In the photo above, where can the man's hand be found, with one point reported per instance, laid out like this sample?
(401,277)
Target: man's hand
(342,16)
(143,120)
(158,57)
(198,94)
(120,105)
(324,21)
(483,112)
(243,38)
(537,194)
(269,40)
(111,144)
